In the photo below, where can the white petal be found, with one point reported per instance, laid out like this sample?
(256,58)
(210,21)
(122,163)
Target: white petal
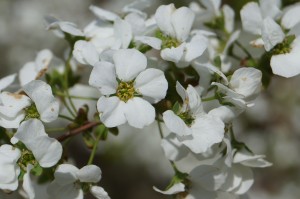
(228,18)
(46,104)
(27,73)
(291,17)
(99,192)
(182,20)
(176,188)
(43,59)
(195,47)
(123,32)
(208,177)
(66,27)
(173,54)
(151,41)
(6,81)
(287,65)
(225,113)
(111,111)
(65,174)
(129,63)
(139,113)
(137,23)
(103,77)
(9,169)
(247,179)
(173,149)
(233,37)
(246,81)
(181,91)
(251,18)
(175,124)
(85,53)
(46,150)
(152,84)
(194,101)
(89,173)
(103,14)
(251,160)
(68,191)
(270,8)
(207,131)
(272,33)
(227,91)
(163,16)
(13,104)
(7,122)
(27,184)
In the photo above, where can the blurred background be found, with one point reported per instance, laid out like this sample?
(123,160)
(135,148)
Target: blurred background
(133,162)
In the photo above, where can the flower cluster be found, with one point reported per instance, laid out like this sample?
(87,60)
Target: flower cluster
(184,69)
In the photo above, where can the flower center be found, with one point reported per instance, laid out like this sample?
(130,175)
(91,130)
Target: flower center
(167,41)
(25,159)
(283,47)
(125,91)
(187,118)
(31,112)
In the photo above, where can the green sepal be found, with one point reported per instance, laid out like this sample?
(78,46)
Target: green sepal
(217,61)
(114,131)
(101,131)
(37,170)
(88,139)
(176,108)
(178,178)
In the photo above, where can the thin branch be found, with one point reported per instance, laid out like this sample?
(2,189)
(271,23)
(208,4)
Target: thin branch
(78,130)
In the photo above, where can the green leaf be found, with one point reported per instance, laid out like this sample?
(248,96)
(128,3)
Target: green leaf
(218,61)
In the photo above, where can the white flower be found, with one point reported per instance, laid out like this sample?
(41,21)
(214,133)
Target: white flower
(194,128)
(39,103)
(9,170)
(68,178)
(244,85)
(34,70)
(128,89)
(260,20)
(175,26)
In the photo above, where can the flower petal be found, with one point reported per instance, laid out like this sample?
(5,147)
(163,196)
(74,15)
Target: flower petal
(291,17)
(152,84)
(129,63)
(103,14)
(27,73)
(151,41)
(6,81)
(228,18)
(272,33)
(123,32)
(176,188)
(139,113)
(287,65)
(46,104)
(99,192)
(195,47)
(103,77)
(13,104)
(175,124)
(251,18)
(43,59)
(85,53)
(206,131)
(65,174)
(89,173)
(173,149)
(173,54)
(163,19)
(182,20)
(111,111)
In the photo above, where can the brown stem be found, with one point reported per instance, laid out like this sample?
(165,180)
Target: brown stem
(79,130)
